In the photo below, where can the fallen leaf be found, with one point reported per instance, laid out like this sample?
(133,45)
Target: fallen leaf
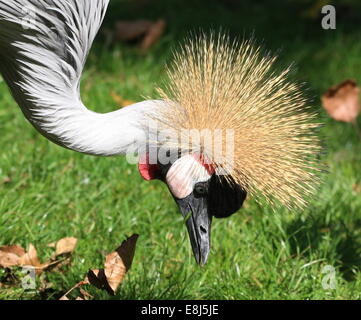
(114,270)
(10,256)
(51,245)
(8,260)
(18,250)
(154,33)
(65,246)
(342,102)
(145,31)
(30,258)
(110,277)
(116,265)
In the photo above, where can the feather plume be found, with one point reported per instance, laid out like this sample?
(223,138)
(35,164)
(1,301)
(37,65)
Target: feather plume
(218,86)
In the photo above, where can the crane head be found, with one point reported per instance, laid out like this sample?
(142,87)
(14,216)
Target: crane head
(200,195)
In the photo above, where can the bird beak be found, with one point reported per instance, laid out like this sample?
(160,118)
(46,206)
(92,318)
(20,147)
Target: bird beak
(198,222)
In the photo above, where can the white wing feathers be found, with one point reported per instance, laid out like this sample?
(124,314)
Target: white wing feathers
(43,49)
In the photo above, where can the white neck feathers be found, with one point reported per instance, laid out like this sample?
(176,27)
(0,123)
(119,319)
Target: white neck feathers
(42,62)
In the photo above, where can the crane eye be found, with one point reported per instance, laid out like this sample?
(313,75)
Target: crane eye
(200,189)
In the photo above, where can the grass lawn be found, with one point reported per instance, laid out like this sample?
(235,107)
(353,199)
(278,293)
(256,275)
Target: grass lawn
(258,253)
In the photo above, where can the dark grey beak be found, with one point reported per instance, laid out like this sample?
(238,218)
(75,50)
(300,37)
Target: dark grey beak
(198,222)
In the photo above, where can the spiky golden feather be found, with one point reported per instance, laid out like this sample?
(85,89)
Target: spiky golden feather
(224,85)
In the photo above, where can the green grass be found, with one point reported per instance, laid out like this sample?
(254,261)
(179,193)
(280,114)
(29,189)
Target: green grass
(258,253)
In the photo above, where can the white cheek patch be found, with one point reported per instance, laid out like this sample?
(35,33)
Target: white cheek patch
(184,174)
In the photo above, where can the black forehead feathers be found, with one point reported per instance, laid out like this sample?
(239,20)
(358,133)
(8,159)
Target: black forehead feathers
(224,198)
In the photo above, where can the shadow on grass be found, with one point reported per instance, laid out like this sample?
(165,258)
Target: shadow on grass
(310,236)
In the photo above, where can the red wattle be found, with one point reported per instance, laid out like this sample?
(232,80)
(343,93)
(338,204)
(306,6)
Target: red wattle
(147,171)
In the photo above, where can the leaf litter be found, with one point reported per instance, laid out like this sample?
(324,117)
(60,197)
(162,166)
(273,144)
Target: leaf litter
(13,257)
(342,102)
(109,278)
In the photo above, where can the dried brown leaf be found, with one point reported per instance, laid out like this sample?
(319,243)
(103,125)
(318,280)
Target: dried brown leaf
(116,265)
(15,249)
(51,245)
(30,258)
(342,102)
(153,35)
(65,246)
(8,259)
(147,32)
(15,255)
(114,270)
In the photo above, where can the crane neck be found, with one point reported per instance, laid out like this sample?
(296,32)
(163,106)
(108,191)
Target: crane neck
(102,134)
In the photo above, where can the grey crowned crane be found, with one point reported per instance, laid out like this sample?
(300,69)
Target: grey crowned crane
(260,137)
